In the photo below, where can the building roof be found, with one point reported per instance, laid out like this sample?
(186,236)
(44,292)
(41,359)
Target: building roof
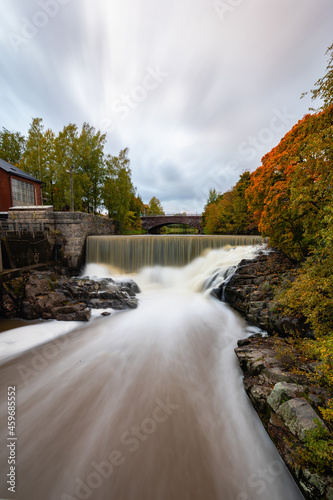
(11,169)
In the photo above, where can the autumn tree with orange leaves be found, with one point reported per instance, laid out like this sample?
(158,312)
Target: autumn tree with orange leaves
(289,192)
(291,197)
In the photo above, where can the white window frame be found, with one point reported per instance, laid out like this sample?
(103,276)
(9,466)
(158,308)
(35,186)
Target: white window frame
(23,193)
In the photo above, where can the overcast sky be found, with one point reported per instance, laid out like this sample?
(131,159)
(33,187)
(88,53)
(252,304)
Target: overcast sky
(198,90)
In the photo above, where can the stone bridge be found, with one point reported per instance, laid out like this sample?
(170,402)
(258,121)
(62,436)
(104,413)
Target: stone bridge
(152,223)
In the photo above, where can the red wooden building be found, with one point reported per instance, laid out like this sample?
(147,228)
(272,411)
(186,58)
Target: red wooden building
(18,188)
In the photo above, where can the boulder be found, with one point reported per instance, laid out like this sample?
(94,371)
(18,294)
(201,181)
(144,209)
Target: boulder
(73,312)
(282,391)
(129,284)
(107,304)
(49,295)
(299,417)
(275,392)
(250,291)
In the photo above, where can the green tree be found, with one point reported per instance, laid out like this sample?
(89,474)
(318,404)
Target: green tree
(118,189)
(67,158)
(155,207)
(228,213)
(39,158)
(90,151)
(50,167)
(34,153)
(12,146)
(213,196)
(324,86)
(137,208)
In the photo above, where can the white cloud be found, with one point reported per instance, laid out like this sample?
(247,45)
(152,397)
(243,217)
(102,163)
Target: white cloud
(225,77)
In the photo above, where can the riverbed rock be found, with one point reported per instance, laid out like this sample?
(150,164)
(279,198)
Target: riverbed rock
(276,379)
(53,295)
(286,403)
(130,285)
(281,392)
(299,417)
(250,291)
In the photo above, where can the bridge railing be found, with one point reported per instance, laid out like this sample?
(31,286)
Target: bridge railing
(175,215)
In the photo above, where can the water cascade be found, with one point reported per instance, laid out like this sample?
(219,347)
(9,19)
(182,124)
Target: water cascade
(146,404)
(131,253)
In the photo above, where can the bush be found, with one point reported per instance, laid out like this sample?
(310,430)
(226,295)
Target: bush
(317,454)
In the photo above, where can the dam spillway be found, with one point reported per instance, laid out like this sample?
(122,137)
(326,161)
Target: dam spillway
(131,253)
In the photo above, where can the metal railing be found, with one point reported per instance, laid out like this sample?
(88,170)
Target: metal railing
(19,228)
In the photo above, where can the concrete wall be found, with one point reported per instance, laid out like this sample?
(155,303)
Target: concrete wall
(66,232)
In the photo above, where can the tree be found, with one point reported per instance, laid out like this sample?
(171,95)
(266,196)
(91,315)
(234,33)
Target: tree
(34,153)
(213,196)
(49,167)
(12,146)
(90,152)
(97,179)
(118,189)
(66,157)
(137,208)
(324,86)
(155,207)
(228,213)
(288,193)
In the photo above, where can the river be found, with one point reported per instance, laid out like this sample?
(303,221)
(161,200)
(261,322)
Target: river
(146,404)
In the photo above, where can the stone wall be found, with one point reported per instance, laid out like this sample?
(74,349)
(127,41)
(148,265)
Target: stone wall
(66,232)
(153,223)
(72,230)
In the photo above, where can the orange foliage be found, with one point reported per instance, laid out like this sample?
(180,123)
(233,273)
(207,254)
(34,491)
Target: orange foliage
(290,190)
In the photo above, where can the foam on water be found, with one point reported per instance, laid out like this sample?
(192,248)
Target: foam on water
(147,404)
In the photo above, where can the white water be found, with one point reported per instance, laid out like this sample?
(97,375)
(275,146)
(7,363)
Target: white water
(144,405)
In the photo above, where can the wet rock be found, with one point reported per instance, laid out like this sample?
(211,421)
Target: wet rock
(277,374)
(74,312)
(130,284)
(217,293)
(107,304)
(250,291)
(132,303)
(282,391)
(36,286)
(299,417)
(276,394)
(258,395)
(318,483)
(52,295)
(27,311)
(129,292)
(243,342)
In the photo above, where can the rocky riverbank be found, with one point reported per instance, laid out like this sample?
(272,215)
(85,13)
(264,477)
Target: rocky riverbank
(53,294)
(277,380)
(287,404)
(251,287)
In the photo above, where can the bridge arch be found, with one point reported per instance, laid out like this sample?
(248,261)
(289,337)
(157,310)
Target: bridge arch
(152,223)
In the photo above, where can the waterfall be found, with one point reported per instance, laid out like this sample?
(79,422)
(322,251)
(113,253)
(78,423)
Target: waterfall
(146,404)
(132,253)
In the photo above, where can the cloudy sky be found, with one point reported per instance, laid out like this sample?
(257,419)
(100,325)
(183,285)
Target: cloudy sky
(198,90)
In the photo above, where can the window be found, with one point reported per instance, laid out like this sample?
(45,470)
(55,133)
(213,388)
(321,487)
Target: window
(23,193)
